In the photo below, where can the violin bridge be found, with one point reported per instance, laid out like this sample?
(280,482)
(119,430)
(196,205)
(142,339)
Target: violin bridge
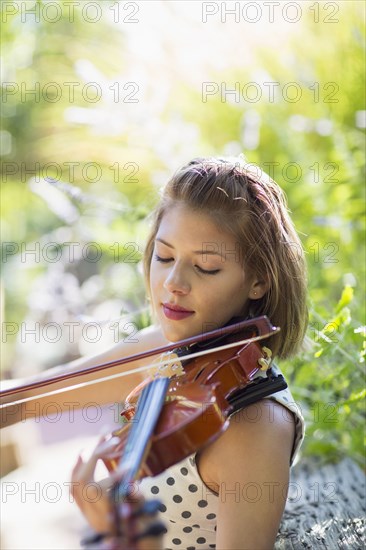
(169,365)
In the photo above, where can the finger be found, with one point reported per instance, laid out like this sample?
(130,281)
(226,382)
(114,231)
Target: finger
(75,472)
(77,464)
(85,469)
(106,446)
(112,479)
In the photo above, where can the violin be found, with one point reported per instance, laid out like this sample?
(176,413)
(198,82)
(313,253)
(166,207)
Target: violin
(200,395)
(203,388)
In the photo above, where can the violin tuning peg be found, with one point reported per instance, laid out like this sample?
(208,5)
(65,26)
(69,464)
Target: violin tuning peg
(267,352)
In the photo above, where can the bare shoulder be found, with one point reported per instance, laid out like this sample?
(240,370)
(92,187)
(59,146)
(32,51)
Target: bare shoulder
(248,466)
(146,339)
(152,335)
(139,341)
(262,425)
(254,432)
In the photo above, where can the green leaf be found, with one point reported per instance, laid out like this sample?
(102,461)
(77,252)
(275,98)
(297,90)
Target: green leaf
(346,298)
(355,396)
(338,322)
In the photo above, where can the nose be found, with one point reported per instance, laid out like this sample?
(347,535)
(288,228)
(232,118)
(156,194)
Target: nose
(176,281)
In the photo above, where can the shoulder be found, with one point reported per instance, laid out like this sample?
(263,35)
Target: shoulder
(151,337)
(248,466)
(146,339)
(257,436)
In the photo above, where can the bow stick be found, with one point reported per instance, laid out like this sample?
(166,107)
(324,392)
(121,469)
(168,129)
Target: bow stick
(262,324)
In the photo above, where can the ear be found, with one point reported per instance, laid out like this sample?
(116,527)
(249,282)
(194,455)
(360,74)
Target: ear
(258,289)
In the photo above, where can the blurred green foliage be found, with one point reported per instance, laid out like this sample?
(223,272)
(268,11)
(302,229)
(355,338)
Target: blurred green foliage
(115,155)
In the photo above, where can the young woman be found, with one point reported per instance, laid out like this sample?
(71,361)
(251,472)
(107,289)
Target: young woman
(222,245)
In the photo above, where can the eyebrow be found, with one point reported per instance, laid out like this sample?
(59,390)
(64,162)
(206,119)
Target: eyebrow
(208,252)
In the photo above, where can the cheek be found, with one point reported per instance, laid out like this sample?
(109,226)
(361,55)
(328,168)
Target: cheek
(152,282)
(215,301)
(234,294)
(155,281)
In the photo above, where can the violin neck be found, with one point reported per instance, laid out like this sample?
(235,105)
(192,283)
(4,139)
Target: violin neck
(147,414)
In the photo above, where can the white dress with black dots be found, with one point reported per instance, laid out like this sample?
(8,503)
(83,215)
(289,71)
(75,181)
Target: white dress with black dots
(189,507)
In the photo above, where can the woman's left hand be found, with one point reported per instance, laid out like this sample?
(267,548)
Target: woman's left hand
(95,504)
(92,497)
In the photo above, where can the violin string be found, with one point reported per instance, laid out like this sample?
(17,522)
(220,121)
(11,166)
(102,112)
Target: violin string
(134,370)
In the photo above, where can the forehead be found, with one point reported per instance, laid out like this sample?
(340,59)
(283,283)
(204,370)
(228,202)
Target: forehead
(183,221)
(197,232)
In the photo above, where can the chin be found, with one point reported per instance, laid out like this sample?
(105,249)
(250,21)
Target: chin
(175,334)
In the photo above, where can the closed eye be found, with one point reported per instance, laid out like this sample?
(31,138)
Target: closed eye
(207,271)
(200,269)
(163,260)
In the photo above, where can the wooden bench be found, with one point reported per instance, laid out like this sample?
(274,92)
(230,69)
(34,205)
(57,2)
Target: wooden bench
(326,507)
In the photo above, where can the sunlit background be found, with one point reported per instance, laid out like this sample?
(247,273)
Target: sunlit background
(103,101)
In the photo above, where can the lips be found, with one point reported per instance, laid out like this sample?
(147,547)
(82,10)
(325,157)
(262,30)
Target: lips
(176,313)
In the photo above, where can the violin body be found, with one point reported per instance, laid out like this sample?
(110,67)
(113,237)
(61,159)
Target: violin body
(196,408)
(189,420)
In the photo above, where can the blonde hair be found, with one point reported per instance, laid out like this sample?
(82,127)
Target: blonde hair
(252,207)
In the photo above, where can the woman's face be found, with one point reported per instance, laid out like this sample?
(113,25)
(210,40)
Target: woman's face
(197,280)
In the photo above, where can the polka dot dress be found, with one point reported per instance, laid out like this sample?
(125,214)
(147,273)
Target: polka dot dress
(189,507)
